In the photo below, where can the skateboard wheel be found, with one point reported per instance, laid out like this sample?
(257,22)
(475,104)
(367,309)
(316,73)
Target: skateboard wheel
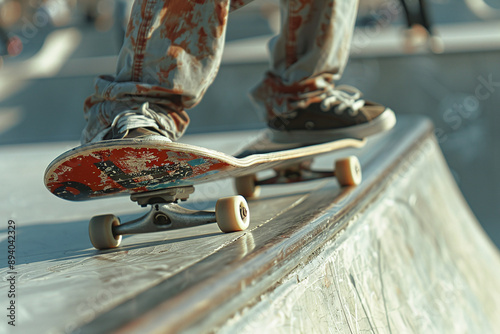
(348,171)
(101,231)
(232,214)
(245,186)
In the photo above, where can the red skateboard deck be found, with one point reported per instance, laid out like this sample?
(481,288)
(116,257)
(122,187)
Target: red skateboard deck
(130,166)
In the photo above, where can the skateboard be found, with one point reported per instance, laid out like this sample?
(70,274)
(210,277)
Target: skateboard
(159,174)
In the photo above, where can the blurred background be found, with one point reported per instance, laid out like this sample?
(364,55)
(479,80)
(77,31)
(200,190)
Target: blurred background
(52,51)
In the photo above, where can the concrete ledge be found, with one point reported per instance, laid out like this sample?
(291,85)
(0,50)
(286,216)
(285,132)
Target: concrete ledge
(401,252)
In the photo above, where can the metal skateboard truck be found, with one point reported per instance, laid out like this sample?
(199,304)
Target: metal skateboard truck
(231,214)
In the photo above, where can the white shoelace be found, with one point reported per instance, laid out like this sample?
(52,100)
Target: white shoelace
(132,119)
(348,96)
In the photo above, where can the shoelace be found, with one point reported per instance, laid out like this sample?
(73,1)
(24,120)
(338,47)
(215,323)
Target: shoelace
(348,96)
(133,119)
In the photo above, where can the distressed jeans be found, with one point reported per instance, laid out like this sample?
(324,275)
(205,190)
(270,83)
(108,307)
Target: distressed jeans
(173,48)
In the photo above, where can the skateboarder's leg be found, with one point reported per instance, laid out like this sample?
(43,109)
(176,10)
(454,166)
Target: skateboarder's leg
(171,54)
(308,56)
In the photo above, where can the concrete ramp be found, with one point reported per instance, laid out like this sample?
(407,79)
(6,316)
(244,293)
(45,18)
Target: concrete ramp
(401,253)
(408,257)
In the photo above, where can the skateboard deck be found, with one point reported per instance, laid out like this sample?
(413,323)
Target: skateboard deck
(130,166)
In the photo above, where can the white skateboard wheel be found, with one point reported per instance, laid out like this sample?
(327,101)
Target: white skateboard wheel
(348,171)
(101,231)
(232,214)
(245,186)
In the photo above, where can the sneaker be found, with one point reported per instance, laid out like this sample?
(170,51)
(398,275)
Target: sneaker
(341,113)
(130,124)
(137,133)
(144,124)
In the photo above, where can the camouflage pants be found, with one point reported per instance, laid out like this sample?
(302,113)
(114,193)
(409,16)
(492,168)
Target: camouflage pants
(173,49)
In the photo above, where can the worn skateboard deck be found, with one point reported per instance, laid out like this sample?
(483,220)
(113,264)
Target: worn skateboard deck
(129,166)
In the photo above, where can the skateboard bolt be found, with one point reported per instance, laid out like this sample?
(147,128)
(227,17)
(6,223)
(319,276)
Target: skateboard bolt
(243,212)
(161,219)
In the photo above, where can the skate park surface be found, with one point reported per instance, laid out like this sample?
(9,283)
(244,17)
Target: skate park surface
(402,252)
(315,256)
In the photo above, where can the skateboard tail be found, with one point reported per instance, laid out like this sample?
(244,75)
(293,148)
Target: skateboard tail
(126,170)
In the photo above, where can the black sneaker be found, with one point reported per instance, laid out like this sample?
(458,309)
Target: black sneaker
(340,114)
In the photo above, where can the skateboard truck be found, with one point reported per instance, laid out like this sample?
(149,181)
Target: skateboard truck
(346,170)
(231,214)
(169,195)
